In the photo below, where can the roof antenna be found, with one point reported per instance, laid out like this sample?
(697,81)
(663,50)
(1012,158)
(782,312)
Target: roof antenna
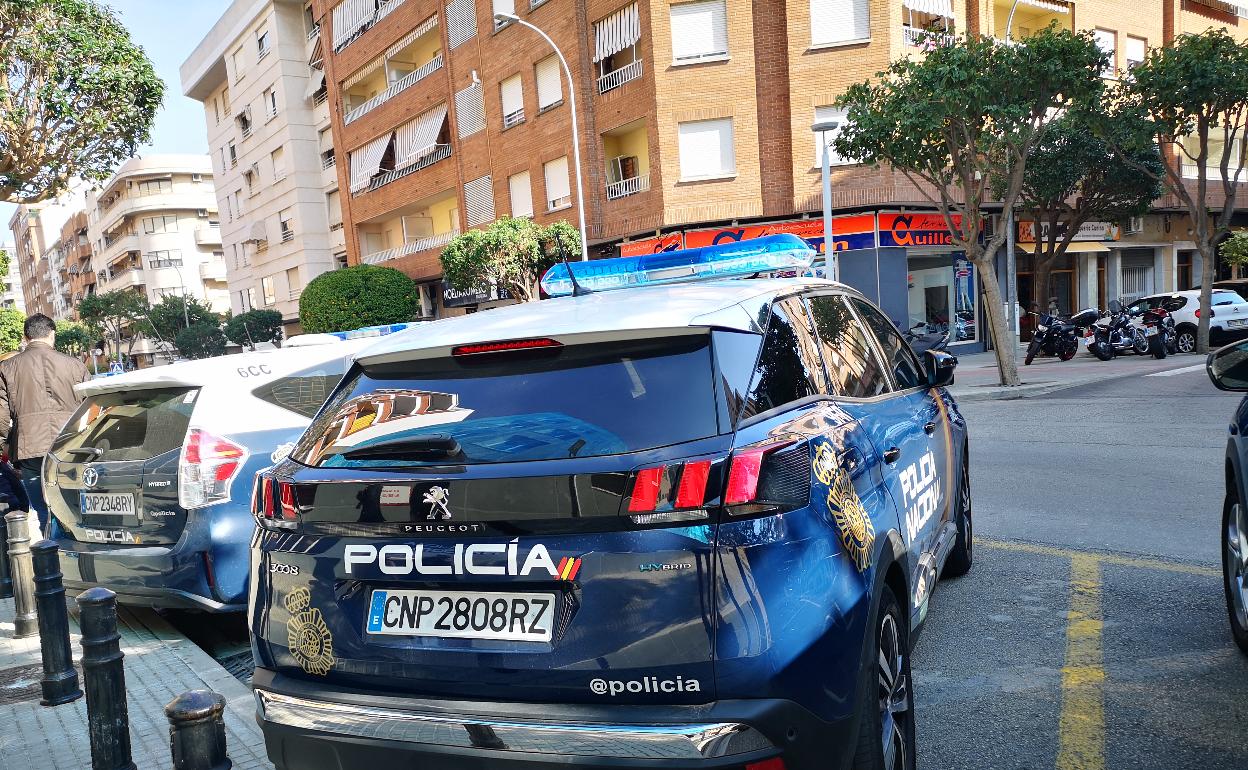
(577,289)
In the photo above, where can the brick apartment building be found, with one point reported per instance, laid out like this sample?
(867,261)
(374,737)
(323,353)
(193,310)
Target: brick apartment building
(695,126)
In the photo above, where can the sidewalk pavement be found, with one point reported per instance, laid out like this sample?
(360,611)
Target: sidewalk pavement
(160,664)
(977,378)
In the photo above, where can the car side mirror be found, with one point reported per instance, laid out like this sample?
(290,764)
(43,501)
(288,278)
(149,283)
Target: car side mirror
(939,366)
(1228,367)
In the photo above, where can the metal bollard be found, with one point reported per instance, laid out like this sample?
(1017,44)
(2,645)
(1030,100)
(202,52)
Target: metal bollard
(60,680)
(197,731)
(6,580)
(108,718)
(26,622)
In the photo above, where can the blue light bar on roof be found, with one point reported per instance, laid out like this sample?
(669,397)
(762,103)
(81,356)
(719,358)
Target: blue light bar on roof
(372,331)
(737,259)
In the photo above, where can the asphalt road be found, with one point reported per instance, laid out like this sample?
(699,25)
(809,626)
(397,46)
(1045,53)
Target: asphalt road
(1091,632)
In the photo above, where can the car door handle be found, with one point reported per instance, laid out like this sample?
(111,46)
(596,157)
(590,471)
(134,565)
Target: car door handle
(892,455)
(929,428)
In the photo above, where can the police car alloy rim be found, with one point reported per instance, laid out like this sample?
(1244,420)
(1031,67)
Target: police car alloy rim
(894,695)
(964,502)
(1236,568)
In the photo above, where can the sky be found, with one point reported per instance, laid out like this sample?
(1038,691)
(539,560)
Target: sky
(168,32)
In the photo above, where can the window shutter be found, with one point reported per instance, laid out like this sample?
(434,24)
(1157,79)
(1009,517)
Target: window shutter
(706,149)
(470,110)
(822,114)
(835,21)
(549,82)
(1106,41)
(512,91)
(699,30)
(479,198)
(521,189)
(557,181)
(505,6)
(461,22)
(1136,49)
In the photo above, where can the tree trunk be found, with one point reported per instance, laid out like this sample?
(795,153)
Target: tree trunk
(1002,335)
(1209,265)
(1040,278)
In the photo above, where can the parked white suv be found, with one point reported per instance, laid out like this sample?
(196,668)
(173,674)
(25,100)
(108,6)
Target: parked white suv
(1229,321)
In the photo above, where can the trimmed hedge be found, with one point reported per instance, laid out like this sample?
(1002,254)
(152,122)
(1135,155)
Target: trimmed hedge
(362,295)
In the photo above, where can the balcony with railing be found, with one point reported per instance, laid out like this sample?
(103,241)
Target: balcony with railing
(440,152)
(615,78)
(413,247)
(208,235)
(628,186)
(397,86)
(918,37)
(627,150)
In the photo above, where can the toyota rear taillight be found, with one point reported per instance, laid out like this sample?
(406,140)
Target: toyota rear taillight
(207,468)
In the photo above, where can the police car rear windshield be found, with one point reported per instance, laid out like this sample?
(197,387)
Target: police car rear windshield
(129,425)
(549,404)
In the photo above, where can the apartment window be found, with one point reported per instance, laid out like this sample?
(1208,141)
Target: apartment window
(237,59)
(1107,41)
(251,296)
(706,150)
(839,21)
(1213,162)
(229,210)
(615,48)
(224,162)
(699,31)
(249,176)
(155,186)
(278,157)
(237,262)
(266,287)
(823,114)
(243,119)
(558,194)
(512,92)
(233,155)
(262,44)
(292,282)
(238,202)
(333,204)
(216,110)
(197,178)
(503,6)
(166,223)
(1136,50)
(164,258)
(521,189)
(549,77)
(286,225)
(270,103)
(225,101)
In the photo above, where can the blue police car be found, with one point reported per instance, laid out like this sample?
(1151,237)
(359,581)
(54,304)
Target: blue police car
(668,519)
(1228,369)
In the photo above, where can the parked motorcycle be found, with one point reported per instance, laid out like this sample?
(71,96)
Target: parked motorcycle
(1115,333)
(1159,328)
(1053,337)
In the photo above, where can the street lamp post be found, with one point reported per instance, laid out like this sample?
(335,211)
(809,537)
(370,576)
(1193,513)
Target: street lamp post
(1011,261)
(576,136)
(822,128)
(186,316)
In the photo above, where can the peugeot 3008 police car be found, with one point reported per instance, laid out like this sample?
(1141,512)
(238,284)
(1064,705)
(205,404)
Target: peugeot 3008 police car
(148,484)
(680,525)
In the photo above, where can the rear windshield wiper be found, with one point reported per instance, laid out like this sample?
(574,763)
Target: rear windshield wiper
(434,446)
(90,452)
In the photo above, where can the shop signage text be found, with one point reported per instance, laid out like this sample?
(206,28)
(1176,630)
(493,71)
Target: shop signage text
(454,298)
(1088,231)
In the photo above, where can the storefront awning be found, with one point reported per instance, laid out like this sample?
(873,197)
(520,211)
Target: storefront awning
(935,7)
(1086,247)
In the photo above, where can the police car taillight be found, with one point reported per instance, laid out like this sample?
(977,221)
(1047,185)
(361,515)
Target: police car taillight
(741,493)
(275,503)
(673,492)
(207,467)
(505,346)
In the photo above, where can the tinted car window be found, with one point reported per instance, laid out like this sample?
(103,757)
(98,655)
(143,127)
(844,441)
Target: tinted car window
(1225,298)
(576,401)
(1173,304)
(852,365)
(906,369)
(785,371)
(302,393)
(131,425)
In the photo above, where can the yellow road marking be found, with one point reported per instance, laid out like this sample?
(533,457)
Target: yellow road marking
(1104,558)
(1082,723)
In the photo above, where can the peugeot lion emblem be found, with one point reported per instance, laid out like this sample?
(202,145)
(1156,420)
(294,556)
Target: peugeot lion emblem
(438,499)
(90,477)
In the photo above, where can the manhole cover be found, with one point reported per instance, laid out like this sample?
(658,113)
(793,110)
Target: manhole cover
(240,665)
(20,683)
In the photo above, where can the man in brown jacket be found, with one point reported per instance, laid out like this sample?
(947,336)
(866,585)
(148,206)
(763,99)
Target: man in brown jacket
(36,399)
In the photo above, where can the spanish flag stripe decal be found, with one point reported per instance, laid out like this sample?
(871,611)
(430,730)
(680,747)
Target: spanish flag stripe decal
(568,568)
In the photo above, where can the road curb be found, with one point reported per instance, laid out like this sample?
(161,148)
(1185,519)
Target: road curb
(1028,390)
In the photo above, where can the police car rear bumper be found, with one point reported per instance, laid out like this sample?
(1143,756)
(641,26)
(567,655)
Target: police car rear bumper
(310,727)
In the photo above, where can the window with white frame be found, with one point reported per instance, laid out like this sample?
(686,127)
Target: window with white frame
(512,92)
(558,193)
(262,43)
(155,186)
(249,176)
(333,205)
(216,110)
(166,223)
(1135,51)
(237,59)
(286,225)
(270,102)
(164,258)
(521,189)
(839,21)
(293,284)
(549,78)
(233,155)
(1190,153)
(1107,41)
(251,296)
(706,150)
(278,157)
(268,289)
(699,31)
(829,115)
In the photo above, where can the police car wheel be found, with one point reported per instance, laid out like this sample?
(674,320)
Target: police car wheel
(886,722)
(1235,567)
(960,557)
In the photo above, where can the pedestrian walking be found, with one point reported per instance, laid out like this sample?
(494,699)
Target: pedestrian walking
(36,398)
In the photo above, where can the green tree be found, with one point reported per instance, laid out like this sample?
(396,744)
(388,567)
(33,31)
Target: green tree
(1074,176)
(512,253)
(5,256)
(254,326)
(363,295)
(201,340)
(168,317)
(1195,95)
(1234,250)
(968,111)
(11,322)
(77,96)
(73,338)
(116,316)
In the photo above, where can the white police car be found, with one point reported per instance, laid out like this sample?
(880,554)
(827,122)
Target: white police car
(148,483)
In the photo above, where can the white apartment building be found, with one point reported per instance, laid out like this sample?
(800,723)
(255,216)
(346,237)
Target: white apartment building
(11,283)
(258,74)
(154,228)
